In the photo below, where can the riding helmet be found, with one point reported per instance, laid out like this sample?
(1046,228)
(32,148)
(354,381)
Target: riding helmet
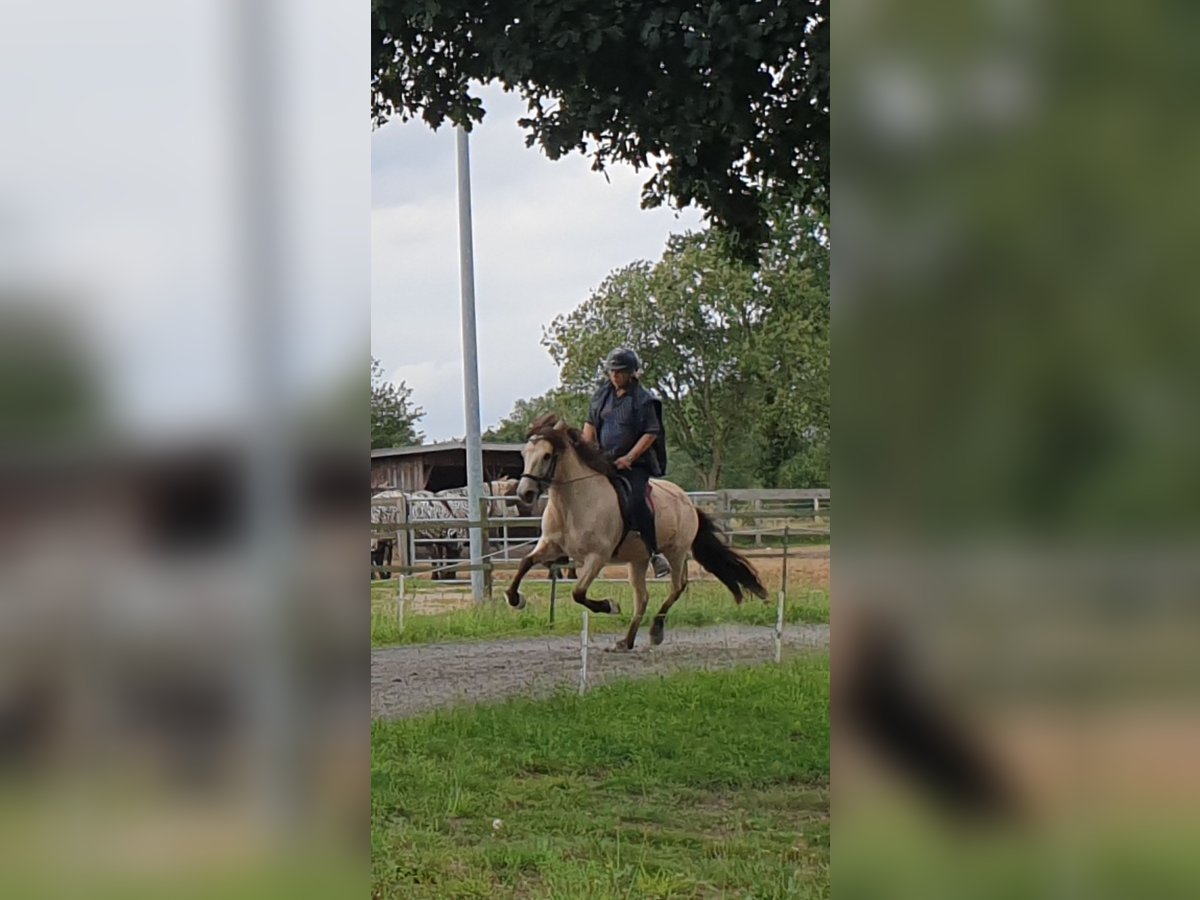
(622,360)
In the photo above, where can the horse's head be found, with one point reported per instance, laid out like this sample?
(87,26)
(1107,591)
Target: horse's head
(547,439)
(541,459)
(504,487)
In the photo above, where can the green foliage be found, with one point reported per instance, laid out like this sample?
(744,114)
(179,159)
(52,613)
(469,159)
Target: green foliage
(738,353)
(513,428)
(790,356)
(701,784)
(394,416)
(49,388)
(723,101)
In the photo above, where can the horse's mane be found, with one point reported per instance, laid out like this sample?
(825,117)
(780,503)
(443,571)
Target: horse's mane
(554,428)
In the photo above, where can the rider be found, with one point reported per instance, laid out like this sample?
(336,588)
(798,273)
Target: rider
(627,420)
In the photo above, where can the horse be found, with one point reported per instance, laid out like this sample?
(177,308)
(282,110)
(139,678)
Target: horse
(583,520)
(444,544)
(494,492)
(423,506)
(381,556)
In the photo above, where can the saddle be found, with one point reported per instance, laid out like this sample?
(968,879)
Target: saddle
(625,501)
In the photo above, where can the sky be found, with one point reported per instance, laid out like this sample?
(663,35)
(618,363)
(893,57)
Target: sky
(546,234)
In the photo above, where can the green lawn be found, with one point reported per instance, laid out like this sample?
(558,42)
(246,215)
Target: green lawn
(697,785)
(704,603)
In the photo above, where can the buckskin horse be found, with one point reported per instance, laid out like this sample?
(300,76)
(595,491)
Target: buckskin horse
(584,520)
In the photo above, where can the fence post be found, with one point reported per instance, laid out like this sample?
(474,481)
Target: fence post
(782,598)
(410,536)
(758,523)
(504,531)
(400,608)
(486,556)
(402,515)
(402,552)
(553,589)
(583,653)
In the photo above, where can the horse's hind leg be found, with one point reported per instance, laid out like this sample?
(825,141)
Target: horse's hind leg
(637,577)
(679,580)
(587,574)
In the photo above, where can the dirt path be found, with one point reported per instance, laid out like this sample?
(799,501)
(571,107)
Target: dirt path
(408,681)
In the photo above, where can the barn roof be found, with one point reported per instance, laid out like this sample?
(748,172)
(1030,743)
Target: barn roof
(420,449)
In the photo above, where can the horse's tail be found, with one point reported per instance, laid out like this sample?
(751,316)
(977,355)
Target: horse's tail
(731,568)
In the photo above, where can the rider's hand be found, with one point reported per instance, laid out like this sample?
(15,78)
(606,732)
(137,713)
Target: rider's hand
(624,462)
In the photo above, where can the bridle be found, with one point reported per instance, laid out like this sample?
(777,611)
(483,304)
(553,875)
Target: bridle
(544,481)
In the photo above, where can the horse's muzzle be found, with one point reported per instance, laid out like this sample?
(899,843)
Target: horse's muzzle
(527,490)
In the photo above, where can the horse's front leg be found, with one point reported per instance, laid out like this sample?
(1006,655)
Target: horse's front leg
(588,572)
(545,550)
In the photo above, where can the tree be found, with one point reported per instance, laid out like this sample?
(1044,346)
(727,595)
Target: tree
(723,100)
(738,353)
(513,428)
(393,416)
(667,312)
(790,358)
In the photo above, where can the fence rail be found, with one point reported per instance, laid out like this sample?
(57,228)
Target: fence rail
(753,516)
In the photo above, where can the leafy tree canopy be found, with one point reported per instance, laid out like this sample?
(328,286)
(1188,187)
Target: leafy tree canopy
(513,428)
(394,416)
(739,354)
(722,100)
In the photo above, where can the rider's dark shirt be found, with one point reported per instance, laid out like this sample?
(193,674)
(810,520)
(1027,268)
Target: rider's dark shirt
(621,421)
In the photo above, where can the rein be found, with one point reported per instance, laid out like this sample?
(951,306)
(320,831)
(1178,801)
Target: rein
(545,481)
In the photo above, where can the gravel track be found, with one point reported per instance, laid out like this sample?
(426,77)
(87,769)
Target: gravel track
(410,680)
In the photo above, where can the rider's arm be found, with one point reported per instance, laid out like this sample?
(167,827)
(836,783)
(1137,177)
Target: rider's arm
(589,433)
(650,429)
(644,443)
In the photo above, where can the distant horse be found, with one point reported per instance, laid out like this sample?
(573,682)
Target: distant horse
(494,492)
(381,555)
(444,543)
(422,506)
(583,520)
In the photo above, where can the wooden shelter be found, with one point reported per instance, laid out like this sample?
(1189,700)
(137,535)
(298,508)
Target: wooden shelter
(436,467)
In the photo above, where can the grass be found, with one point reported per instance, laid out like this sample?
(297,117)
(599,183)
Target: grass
(697,785)
(704,603)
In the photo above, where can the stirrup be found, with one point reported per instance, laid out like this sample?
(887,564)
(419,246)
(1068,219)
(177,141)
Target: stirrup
(662,568)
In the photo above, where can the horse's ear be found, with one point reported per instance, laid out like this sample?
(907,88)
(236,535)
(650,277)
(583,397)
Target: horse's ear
(560,425)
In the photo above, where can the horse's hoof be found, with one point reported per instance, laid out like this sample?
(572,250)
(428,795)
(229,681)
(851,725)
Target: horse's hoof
(619,647)
(517,602)
(614,608)
(656,635)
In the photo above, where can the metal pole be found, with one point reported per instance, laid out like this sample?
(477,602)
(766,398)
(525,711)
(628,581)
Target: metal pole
(270,460)
(470,357)
(553,589)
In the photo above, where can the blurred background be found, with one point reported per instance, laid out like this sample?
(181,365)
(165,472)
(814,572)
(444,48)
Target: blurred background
(1015,618)
(184,339)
